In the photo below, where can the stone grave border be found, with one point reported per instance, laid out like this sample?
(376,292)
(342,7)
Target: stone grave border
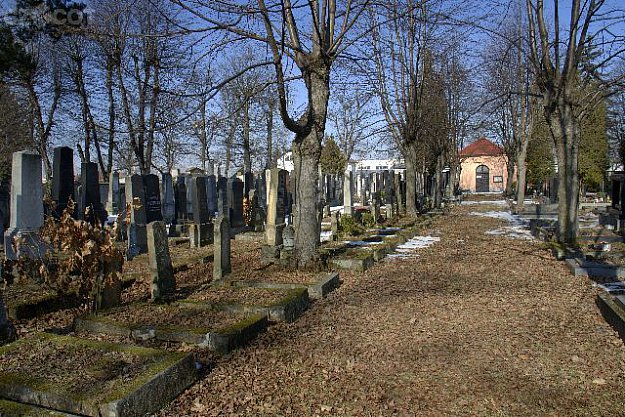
(318,289)
(12,408)
(288,309)
(583,268)
(155,387)
(221,340)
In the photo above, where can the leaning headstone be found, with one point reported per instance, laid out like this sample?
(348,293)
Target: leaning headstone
(137,234)
(235,200)
(200,233)
(114,203)
(8,333)
(62,179)
(168,205)
(26,207)
(221,247)
(152,199)
(92,209)
(347,193)
(159,261)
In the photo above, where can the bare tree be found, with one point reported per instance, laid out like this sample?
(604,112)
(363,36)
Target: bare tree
(351,116)
(556,58)
(310,35)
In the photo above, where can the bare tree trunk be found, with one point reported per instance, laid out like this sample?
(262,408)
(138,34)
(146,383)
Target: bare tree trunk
(564,130)
(509,183)
(271,162)
(111,113)
(438,180)
(521,174)
(410,156)
(247,157)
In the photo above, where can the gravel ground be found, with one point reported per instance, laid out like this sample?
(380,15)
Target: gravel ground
(478,324)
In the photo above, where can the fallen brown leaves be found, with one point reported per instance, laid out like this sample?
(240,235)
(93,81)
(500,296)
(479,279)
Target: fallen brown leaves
(477,325)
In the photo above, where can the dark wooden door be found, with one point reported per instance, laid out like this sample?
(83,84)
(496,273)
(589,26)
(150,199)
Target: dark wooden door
(482,179)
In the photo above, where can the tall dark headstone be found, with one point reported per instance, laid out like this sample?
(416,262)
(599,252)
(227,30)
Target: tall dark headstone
(199,201)
(221,248)
(201,229)
(168,206)
(137,233)
(248,183)
(211,194)
(152,194)
(235,200)
(63,178)
(180,190)
(91,205)
(115,202)
(222,197)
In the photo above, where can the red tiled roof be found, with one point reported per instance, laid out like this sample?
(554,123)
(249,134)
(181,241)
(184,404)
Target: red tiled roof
(482,147)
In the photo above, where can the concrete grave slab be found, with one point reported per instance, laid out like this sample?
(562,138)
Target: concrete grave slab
(96,379)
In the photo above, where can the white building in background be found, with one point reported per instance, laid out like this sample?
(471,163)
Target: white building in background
(364,166)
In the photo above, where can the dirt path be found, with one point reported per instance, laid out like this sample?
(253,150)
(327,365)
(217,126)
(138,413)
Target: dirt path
(477,325)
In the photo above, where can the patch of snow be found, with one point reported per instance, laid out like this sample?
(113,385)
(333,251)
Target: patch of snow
(617,287)
(325,235)
(493,202)
(408,249)
(518,229)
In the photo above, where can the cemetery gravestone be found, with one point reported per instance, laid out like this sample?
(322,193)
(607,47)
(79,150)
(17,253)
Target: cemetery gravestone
(152,195)
(235,200)
(221,255)
(5,201)
(275,214)
(114,201)
(62,179)
(211,194)
(181,199)
(137,234)
(168,205)
(347,193)
(159,260)
(200,234)
(222,197)
(91,206)
(26,207)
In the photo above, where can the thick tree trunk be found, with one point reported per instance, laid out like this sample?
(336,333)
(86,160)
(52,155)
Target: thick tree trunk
(521,174)
(306,154)
(510,182)
(410,157)
(564,129)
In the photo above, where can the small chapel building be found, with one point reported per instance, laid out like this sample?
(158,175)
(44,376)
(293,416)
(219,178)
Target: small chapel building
(483,167)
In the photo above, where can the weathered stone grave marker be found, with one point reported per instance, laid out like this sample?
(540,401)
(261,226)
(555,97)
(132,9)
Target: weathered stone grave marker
(152,199)
(137,234)
(90,205)
(347,193)
(168,205)
(200,233)
(159,261)
(221,255)
(26,207)
(62,179)
(235,200)
(275,214)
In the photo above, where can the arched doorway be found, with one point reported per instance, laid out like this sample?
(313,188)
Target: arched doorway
(482,179)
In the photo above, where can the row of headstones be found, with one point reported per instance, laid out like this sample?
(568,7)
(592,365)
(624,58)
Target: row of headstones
(376,189)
